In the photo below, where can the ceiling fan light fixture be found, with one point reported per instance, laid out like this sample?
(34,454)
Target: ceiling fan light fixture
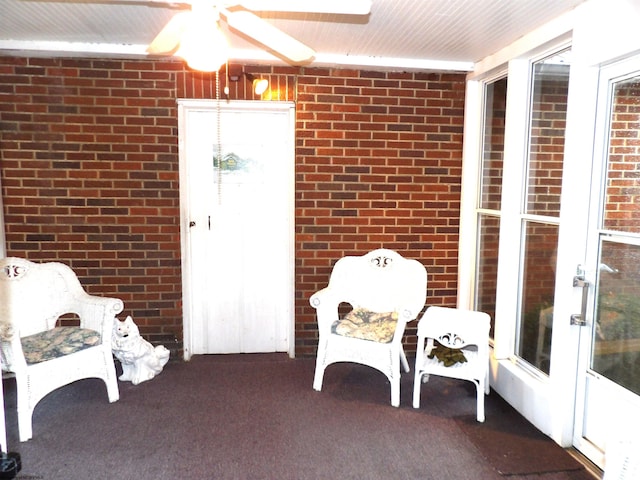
(203,46)
(239,16)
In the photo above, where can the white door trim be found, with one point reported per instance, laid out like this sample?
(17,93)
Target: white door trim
(187,212)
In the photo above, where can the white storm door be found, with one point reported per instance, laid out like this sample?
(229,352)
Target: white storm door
(608,391)
(238,226)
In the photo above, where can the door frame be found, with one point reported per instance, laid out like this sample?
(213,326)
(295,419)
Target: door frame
(186,211)
(608,75)
(599,35)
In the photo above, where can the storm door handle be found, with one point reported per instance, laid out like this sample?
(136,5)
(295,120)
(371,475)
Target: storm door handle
(580,319)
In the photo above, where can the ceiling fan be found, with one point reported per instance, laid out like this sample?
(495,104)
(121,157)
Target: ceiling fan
(197,27)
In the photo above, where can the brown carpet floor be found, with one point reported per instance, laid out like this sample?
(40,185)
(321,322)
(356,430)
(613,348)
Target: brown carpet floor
(257,417)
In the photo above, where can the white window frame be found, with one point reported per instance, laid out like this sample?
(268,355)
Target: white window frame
(531,392)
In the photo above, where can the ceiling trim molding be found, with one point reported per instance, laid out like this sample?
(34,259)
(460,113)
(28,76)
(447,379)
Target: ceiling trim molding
(110,50)
(391,63)
(70,49)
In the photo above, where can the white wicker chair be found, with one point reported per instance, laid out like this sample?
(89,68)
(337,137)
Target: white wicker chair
(42,355)
(386,291)
(463,331)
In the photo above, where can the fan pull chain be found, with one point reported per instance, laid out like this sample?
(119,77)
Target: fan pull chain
(219,137)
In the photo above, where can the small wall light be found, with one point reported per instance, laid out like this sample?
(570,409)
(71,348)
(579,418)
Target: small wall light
(260,85)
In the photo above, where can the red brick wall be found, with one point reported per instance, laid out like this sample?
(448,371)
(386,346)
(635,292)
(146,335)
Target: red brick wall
(90,177)
(378,164)
(90,174)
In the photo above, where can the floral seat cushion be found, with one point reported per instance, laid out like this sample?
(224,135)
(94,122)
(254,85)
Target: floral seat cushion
(57,342)
(367,325)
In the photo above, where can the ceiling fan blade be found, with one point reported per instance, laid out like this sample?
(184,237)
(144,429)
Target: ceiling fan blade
(268,35)
(166,3)
(169,37)
(345,7)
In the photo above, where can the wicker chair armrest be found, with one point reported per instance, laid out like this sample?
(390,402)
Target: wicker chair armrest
(98,313)
(407,314)
(324,297)
(404,316)
(326,303)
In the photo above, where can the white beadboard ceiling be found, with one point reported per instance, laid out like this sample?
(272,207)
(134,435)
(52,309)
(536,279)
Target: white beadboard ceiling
(449,35)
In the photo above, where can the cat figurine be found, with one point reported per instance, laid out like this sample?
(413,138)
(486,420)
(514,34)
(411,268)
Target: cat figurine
(140,360)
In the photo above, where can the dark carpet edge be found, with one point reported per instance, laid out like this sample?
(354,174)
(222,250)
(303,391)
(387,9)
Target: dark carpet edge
(513,446)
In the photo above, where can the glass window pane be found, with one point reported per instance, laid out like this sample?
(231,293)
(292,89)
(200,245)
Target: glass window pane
(487,270)
(538,286)
(495,102)
(616,342)
(546,136)
(622,208)
(493,144)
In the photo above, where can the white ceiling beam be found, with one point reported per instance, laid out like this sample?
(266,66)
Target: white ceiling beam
(390,63)
(106,50)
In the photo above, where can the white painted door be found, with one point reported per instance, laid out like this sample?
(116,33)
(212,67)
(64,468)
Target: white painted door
(608,393)
(237,195)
